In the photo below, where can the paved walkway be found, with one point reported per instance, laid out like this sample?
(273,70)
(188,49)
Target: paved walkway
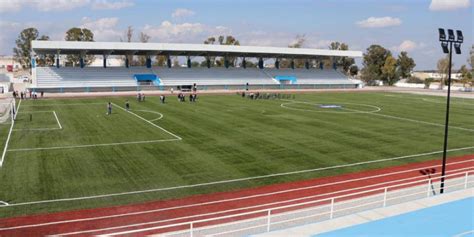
(368,216)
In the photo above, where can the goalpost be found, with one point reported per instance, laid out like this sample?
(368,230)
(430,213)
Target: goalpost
(7,110)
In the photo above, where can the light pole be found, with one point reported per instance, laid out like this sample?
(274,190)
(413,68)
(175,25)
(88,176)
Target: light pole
(457,46)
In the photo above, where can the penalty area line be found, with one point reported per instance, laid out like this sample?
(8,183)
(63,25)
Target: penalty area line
(91,145)
(235,180)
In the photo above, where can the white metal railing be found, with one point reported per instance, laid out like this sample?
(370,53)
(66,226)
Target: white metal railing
(387,194)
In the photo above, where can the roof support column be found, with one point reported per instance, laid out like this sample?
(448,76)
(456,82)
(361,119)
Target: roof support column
(105,60)
(292,64)
(277,63)
(168,61)
(260,63)
(189,62)
(306,64)
(244,63)
(148,61)
(81,59)
(57,59)
(127,62)
(321,65)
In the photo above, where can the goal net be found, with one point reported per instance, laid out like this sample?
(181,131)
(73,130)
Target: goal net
(7,110)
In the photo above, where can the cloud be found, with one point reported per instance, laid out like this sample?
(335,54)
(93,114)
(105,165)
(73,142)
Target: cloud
(448,5)
(107,5)
(408,46)
(10,5)
(379,22)
(182,12)
(62,5)
(183,32)
(104,29)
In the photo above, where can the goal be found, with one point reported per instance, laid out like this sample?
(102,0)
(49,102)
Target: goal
(7,110)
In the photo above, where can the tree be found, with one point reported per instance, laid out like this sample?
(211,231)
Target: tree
(298,42)
(443,70)
(79,34)
(46,59)
(353,70)
(373,62)
(22,51)
(471,58)
(144,38)
(389,70)
(221,40)
(343,62)
(405,64)
(466,76)
(128,38)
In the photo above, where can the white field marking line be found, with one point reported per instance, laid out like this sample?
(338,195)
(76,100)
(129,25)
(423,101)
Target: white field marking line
(153,112)
(376,108)
(92,145)
(235,209)
(140,117)
(57,120)
(393,117)
(72,104)
(8,137)
(243,214)
(41,129)
(234,180)
(4,203)
(444,102)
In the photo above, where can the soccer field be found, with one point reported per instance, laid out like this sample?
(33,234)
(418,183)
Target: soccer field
(67,154)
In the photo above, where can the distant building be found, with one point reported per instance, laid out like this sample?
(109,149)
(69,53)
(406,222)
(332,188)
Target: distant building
(9,64)
(434,74)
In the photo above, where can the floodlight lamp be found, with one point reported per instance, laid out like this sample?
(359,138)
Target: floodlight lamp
(450,35)
(444,45)
(457,48)
(460,36)
(442,34)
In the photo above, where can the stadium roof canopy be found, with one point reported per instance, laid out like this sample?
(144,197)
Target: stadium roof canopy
(125,48)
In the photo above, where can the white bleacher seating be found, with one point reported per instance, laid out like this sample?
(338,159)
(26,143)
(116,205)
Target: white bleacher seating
(312,76)
(212,76)
(51,77)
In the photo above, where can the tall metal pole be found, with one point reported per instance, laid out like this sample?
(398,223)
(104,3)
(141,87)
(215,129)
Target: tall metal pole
(443,170)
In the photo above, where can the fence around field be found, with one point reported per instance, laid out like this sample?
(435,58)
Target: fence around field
(199,87)
(306,212)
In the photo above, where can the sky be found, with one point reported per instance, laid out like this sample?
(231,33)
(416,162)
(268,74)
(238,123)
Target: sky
(398,25)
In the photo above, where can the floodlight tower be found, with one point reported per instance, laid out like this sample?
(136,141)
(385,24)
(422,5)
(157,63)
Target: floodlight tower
(457,47)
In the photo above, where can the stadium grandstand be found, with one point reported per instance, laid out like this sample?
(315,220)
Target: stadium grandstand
(83,78)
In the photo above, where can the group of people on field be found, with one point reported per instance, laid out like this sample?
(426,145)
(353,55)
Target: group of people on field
(27,94)
(141,98)
(267,96)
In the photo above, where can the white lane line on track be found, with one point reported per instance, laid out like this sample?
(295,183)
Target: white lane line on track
(251,196)
(8,137)
(233,180)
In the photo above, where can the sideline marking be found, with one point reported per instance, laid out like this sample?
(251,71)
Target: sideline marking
(72,104)
(4,203)
(41,129)
(9,135)
(91,145)
(376,108)
(229,200)
(234,180)
(444,102)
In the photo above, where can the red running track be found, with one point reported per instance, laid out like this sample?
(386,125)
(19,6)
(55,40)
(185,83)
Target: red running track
(98,221)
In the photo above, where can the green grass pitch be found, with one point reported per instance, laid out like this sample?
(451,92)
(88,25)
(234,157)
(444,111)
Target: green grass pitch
(68,148)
